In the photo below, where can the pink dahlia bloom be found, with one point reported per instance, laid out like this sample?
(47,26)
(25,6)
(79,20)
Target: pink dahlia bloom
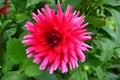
(5,8)
(56,40)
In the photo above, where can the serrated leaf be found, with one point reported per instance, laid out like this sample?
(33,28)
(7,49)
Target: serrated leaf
(16,51)
(31,69)
(97,22)
(14,75)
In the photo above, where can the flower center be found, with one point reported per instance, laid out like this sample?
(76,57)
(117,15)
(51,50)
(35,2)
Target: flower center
(53,38)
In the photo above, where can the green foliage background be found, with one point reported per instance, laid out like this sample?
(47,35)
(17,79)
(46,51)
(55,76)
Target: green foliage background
(102,62)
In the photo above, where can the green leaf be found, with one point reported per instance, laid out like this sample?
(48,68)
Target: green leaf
(35,2)
(110,76)
(79,75)
(115,66)
(19,5)
(8,33)
(97,47)
(21,17)
(46,76)
(73,3)
(14,75)
(57,75)
(31,69)
(97,22)
(109,32)
(51,1)
(5,24)
(93,61)
(98,2)
(16,51)
(116,16)
(117,8)
(99,73)
(107,49)
(7,64)
(2,3)
(22,35)
(32,2)
(117,51)
(112,2)
(110,23)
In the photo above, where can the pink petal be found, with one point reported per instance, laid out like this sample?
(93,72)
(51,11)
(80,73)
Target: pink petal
(28,37)
(64,67)
(80,55)
(30,49)
(37,60)
(44,63)
(68,11)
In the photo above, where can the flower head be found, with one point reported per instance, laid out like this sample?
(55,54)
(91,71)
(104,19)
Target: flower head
(56,40)
(5,8)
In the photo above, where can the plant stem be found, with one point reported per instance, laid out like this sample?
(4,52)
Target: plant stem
(60,1)
(83,6)
(56,1)
(91,9)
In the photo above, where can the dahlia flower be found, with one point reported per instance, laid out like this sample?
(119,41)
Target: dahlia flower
(55,40)
(5,8)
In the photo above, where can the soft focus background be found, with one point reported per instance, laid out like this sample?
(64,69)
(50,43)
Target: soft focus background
(102,62)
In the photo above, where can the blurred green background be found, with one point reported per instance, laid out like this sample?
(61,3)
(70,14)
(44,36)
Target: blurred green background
(102,61)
